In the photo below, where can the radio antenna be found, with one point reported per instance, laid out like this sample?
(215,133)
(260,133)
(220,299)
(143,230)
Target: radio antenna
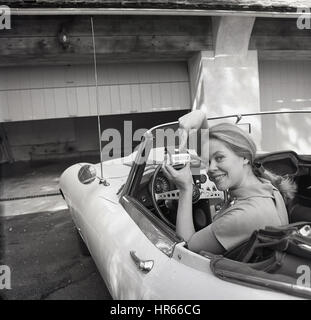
(102,180)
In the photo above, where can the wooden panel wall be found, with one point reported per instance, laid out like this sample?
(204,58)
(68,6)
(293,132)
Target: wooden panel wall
(31,93)
(36,40)
(286,85)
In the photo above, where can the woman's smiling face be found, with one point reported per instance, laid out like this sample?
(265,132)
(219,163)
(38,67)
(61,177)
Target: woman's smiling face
(226,169)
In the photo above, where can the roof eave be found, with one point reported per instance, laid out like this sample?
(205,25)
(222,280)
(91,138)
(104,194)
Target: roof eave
(154,11)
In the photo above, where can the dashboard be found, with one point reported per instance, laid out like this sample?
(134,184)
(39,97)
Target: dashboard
(166,194)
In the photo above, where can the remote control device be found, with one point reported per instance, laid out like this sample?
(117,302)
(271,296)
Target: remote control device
(181,159)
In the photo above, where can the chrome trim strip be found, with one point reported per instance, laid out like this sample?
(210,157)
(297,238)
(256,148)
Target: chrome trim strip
(238,116)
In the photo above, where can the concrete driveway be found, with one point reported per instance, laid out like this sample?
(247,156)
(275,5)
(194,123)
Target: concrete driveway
(39,242)
(43,253)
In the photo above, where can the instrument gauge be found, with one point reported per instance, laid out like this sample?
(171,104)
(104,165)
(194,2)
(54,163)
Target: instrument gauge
(161,184)
(203,178)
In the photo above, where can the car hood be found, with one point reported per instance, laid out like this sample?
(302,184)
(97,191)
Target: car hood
(117,168)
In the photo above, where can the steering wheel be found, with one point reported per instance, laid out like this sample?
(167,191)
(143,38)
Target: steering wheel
(199,208)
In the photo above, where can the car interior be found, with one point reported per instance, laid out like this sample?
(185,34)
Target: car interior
(159,195)
(298,169)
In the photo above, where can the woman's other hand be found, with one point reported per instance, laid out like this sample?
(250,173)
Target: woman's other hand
(181,178)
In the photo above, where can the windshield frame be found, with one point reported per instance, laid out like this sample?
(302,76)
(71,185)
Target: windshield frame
(146,144)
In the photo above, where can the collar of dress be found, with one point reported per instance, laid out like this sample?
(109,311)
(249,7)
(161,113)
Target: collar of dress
(263,189)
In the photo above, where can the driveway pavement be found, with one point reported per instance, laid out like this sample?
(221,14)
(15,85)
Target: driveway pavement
(46,262)
(38,239)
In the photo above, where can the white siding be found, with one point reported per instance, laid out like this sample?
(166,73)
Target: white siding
(286,85)
(32,93)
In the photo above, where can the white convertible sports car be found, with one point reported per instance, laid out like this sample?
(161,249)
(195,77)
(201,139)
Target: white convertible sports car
(127,222)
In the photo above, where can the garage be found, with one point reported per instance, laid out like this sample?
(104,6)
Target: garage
(68,93)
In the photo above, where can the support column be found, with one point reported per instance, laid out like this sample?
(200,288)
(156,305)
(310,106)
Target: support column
(226,80)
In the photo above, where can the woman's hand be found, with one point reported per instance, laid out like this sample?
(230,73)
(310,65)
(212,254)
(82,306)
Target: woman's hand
(196,120)
(181,178)
(183,181)
(192,120)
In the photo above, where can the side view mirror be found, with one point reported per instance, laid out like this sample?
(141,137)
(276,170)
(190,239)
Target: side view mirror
(87,174)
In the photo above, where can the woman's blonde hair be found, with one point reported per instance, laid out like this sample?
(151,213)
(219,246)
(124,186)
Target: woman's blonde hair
(242,144)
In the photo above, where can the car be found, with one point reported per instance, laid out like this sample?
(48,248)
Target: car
(125,211)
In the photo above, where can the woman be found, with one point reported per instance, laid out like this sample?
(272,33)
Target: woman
(255,202)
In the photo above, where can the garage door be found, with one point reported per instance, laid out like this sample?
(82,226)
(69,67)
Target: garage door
(32,93)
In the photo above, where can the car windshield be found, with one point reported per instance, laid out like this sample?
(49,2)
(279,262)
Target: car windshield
(272,131)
